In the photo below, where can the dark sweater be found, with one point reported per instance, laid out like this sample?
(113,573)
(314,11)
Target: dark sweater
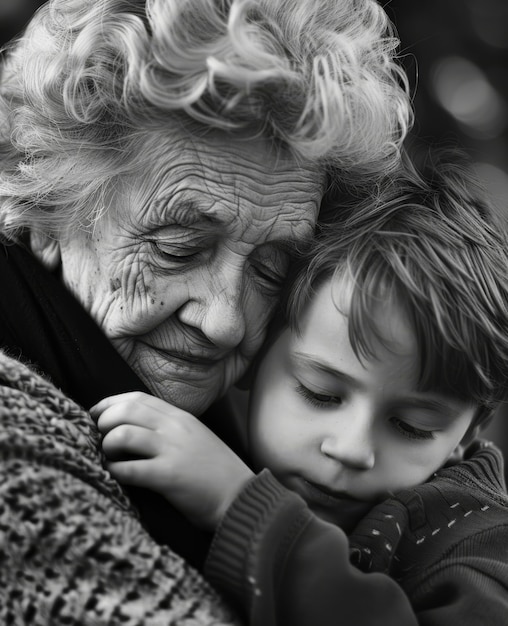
(435,555)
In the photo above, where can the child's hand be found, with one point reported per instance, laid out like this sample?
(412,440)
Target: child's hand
(152,444)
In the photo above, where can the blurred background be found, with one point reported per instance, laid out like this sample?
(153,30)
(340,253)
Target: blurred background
(456,56)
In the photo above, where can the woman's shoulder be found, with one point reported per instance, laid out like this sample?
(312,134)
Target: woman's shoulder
(70,542)
(32,406)
(40,425)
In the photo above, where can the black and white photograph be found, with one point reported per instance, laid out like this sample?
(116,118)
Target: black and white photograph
(254,313)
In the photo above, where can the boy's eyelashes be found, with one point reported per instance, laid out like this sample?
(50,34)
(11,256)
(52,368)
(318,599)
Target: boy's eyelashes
(318,399)
(411,432)
(331,401)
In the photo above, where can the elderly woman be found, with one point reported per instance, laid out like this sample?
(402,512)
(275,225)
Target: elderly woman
(159,162)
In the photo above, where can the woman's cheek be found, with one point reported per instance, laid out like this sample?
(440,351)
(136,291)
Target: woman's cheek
(137,299)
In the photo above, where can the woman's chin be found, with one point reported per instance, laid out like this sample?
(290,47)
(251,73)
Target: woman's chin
(190,386)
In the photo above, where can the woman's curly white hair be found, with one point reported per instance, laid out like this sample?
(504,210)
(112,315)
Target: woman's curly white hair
(88,78)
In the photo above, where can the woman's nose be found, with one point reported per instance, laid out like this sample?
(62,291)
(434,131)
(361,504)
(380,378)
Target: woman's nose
(224,318)
(218,311)
(350,441)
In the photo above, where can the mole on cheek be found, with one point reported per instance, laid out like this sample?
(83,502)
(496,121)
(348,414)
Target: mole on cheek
(114,284)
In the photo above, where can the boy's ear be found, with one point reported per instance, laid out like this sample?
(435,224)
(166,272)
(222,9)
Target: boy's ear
(471,434)
(46,249)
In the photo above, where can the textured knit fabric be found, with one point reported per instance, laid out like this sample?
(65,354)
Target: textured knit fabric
(435,555)
(41,322)
(72,550)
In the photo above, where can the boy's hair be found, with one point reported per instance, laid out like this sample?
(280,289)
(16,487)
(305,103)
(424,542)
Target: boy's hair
(429,239)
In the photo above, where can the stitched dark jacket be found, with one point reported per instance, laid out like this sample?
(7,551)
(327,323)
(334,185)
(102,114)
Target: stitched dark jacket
(436,555)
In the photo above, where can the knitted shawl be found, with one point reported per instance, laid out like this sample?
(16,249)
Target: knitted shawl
(72,550)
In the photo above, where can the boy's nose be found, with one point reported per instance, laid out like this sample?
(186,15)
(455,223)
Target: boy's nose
(350,442)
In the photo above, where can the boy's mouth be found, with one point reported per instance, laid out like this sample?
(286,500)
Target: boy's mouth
(329,493)
(317,494)
(331,505)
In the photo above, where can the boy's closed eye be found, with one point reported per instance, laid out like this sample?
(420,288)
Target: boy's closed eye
(317,398)
(411,432)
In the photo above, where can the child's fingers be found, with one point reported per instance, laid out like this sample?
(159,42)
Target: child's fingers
(135,408)
(137,472)
(132,398)
(127,440)
(134,412)
(106,403)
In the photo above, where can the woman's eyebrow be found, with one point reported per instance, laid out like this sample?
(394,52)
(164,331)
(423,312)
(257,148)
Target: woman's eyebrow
(188,212)
(184,212)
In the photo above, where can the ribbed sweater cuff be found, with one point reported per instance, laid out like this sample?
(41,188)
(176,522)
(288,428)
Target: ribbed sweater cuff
(227,565)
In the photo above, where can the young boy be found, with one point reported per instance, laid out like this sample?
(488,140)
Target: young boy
(364,409)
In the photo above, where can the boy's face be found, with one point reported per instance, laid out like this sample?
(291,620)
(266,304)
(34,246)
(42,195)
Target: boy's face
(332,427)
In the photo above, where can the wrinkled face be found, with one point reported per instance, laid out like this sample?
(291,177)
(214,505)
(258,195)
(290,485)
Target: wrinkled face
(183,270)
(332,427)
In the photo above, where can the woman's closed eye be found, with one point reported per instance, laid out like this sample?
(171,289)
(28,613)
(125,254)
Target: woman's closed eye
(411,432)
(182,246)
(269,267)
(319,400)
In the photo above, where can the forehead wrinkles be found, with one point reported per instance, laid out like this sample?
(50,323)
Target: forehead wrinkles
(230,183)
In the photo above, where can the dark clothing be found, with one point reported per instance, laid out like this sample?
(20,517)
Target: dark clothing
(444,542)
(42,324)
